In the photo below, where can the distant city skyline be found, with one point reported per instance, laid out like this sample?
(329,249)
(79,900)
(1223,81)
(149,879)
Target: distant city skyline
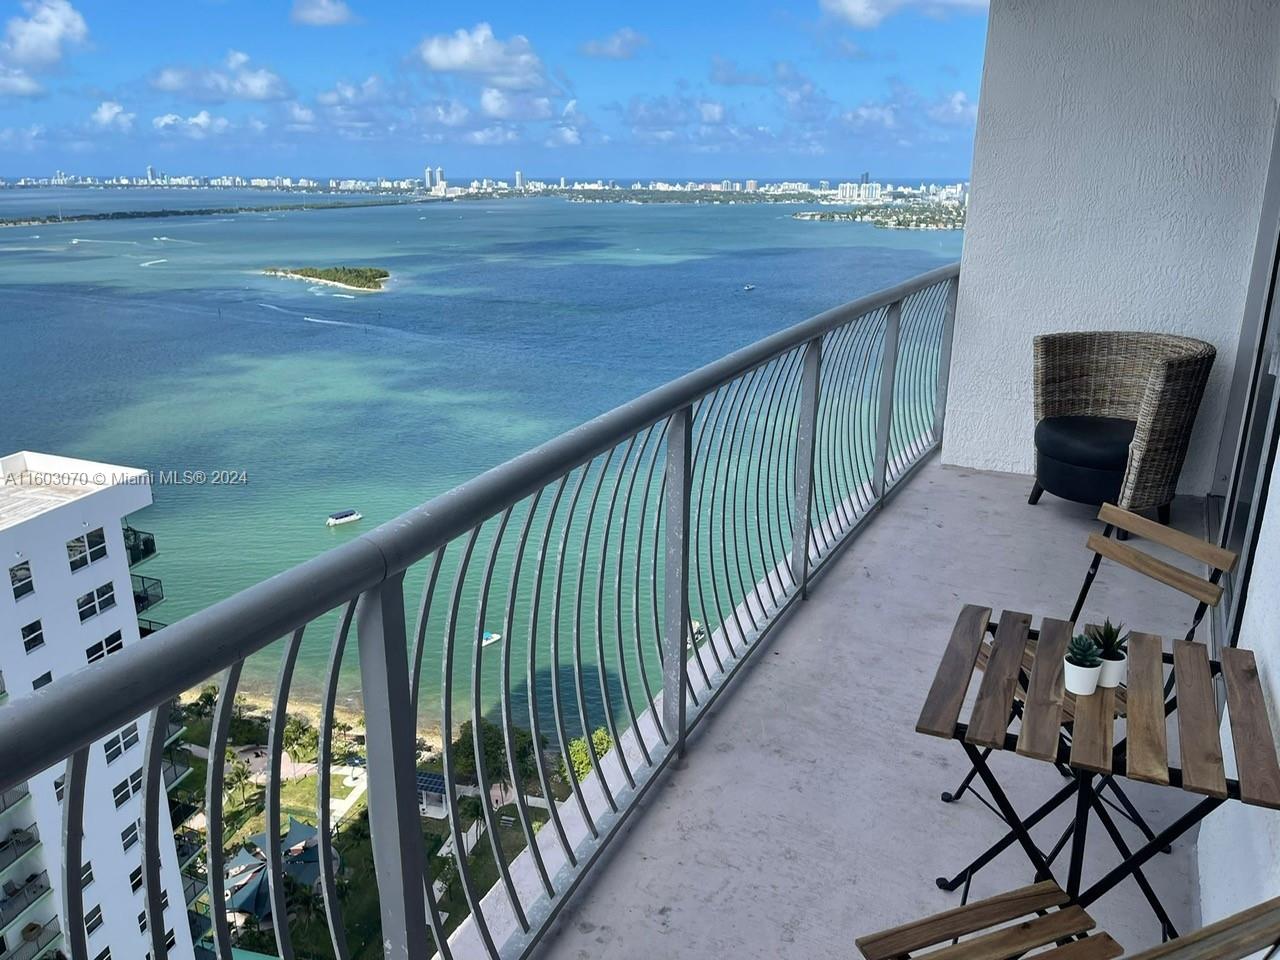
(350,88)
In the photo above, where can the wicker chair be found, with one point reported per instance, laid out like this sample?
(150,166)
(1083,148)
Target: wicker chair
(1114,412)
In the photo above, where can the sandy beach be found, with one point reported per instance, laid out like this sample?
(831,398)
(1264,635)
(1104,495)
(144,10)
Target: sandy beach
(289,275)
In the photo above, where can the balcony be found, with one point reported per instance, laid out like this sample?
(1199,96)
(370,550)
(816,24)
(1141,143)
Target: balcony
(14,795)
(193,885)
(147,591)
(147,627)
(176,764)
(139,545)
(34,946)
(16,845)
(189,844)
(16,897)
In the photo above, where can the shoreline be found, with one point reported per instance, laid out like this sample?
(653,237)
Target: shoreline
(165,213)
(290,275)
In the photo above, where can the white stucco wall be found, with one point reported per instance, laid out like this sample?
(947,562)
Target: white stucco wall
(1238,850)
(1118,169)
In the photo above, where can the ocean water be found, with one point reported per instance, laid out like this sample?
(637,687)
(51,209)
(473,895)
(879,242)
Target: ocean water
(159,344)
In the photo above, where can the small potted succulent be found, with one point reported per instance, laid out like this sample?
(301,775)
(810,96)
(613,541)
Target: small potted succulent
(1113,648)
(1081,665)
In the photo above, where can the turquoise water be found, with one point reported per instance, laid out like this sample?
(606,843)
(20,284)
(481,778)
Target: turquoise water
(158,343)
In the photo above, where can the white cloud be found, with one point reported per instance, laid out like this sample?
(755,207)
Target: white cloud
(728,74)
(504,106)
(511,64)
(237,79)
(620,45)
(321,13)
(493,136)
(445,113)
(37,39)
(112,116)
(17,83)
(197,127)
(21,138)
(369,91)
(301,117)
(866,14)
(955,108)
(565,135)
(711,111)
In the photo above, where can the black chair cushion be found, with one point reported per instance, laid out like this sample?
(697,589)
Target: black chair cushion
(1100,443)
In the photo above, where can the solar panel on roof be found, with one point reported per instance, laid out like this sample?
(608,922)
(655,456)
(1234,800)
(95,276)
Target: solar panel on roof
(431,783)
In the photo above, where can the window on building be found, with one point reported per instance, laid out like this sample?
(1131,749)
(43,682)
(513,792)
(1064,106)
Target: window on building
(96,601)
(127,787)
(135,879)
(32,636)
(142,922)
(170,940)
(93,919)
(86,875)
(104,955)
(115,746)
(42,680)
(129,836)
(86,549)
(20,578)
(60,787)
(102,648)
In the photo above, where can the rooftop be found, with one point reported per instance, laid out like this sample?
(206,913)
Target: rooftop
(842,831)
(35,483)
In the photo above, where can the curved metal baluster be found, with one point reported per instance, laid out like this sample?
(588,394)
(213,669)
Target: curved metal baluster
(275,754)
(73,854)
(867,393)
(730,538)
(854,413)
(701,479)
(607,701)
(618,580)
(624,676)
(446,750)
(324,764)
(708,462)
(763,432)
(746,466)
(153,789)
(738,388)
(420,634)
(819,502)
(477,733)
(562,738)
(508,727)
(779,507)
(214,867)
(836,512)
(641,526)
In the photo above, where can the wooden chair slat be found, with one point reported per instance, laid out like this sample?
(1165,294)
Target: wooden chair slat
(1147,748)
(1235,937)
(1210,554)
(1013,941)
(990,720)
(1092,737)
(1098,946)
(942,707)
(970,918)
(1042,711)
(1198,737)
(1149,566)
(1251,735)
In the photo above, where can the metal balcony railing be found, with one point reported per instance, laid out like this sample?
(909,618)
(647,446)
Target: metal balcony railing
(15,794)
(139,544)
(17,843)
(28,892)
(192,886)
(35,947)
(147,591)
(147,627)
(189,844)
(616,577)
(175,765)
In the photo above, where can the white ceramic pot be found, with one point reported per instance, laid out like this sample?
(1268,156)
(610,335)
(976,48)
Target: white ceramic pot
(1113,672)
(1082,681)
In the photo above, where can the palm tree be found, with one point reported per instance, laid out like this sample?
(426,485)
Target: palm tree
(238,777)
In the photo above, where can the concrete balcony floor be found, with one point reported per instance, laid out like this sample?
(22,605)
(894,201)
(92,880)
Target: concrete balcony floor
(807,810)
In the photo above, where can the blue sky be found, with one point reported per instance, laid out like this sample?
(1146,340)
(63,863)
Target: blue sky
(807,88)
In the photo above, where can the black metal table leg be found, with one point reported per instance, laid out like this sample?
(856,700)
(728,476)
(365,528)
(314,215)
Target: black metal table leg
(1167,928)
(1084,799)
(1130,812)
(1010,815)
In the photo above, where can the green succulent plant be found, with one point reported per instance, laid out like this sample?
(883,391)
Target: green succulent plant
(1083,652)
(1111,639)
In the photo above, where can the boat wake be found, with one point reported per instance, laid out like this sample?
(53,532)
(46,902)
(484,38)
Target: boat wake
(152,263)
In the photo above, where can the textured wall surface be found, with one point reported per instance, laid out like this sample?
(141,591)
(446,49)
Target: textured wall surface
(1118,169)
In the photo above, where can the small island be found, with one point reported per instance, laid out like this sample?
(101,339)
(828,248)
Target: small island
(366,279)
(910,216)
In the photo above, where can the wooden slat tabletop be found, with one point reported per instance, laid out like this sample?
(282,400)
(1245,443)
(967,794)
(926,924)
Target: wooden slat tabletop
(1255,747)
(1093,735)
(1148,747)
(1199,740)
(1042,710)
(990,719)
(942,707)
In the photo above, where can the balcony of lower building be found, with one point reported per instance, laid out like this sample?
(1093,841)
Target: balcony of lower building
(176,765)
(13,796)
(175,726)
(17,896)
(147,591)
(15,845)
(139,545)
(194,884)
(36,941)
(189,843)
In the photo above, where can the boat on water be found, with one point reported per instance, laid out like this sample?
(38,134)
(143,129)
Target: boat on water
(343,516)
(490,638)
(748,286)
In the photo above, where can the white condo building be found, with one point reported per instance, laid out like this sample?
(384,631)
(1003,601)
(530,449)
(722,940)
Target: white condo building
(70,599)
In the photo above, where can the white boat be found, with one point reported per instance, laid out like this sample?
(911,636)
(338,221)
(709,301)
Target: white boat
(490,638)
(748,286)
(343,516)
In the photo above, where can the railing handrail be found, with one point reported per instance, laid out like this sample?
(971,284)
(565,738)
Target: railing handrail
(188,652)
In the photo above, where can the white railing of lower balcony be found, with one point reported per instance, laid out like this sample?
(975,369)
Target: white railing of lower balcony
(588,601)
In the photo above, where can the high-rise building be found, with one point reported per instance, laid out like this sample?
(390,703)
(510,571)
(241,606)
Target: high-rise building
(753,186)
(562,183)
(427,177)
(68,602)
(519,180)
(439,176)
(151,174)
